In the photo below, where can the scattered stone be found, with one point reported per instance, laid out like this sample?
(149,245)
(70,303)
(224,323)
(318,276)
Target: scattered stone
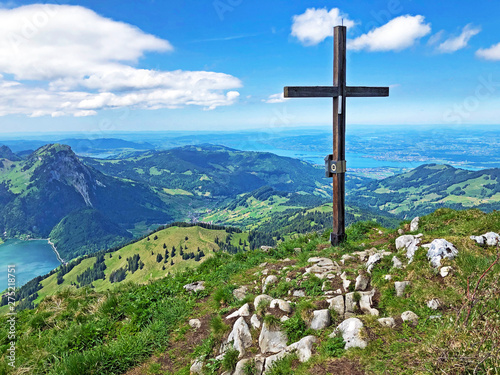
(396,263)
(240,293)
(380,232)
(409,316)
(255,322)
(263,297)
(362,282)
(297,250)
(445,271)
(271,341)
(337,304)
(432,317)
(265,271)
(321,319)
(195,287)
(338,291)
(401,231)
(414,224)
(281,304)
(400,287)
(303,348)
(287,260)
(345,282)
(273,358)
(350,305)
(372,260)
(197,367)
(262,265)
(365,303)
(195,323)
(299,293)
(242,311)
(284,318)
(239,369)
(439,249)
(271,279)
(410,243)
(433,304)
(489,239)
(387,322)
(345,257)
(350,329)
(388,277)
(240,337)
(266,248)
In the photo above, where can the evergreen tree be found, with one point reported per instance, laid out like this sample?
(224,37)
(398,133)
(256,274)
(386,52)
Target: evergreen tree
(159,258)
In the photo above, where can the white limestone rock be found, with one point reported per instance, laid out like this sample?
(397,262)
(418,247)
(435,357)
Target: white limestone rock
(387,322)
(271,279)
(337,304)
(255,322)
(410,243)
(321,319)
(433,304)
(195,323)
(281,304)
(240,293)
(414,224)
(396,263)
(445,271)
(197,367)
(362,282)
(350,329)
(400,287)
(299,293)
(261,298)
(365,303)
(303,348)
(242,311)
(240,337)
(409,316)
(195,287)
(439,249)
(372,260)
(271,340)
(488,239)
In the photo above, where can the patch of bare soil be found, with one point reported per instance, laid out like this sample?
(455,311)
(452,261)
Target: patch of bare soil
(342,366)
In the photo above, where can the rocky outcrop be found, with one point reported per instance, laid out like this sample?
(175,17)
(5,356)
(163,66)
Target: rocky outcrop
(271,339)
(350,329)
(414,224)
(487,239)
(439,249)
(409,243)
(195,287)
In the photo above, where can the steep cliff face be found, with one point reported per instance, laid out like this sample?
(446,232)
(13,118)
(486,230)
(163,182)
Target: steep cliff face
(53,183)
(59,164)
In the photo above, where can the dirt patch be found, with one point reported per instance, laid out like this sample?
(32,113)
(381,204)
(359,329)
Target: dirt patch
(277,312)
(323,246)
(342,366)
(321,305)
(179,349)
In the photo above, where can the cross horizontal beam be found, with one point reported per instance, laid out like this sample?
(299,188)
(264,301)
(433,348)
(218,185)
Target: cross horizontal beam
(333,91)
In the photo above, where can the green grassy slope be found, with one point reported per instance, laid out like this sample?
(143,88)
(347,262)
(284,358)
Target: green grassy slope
(88,331)
(197,238)
(429,187)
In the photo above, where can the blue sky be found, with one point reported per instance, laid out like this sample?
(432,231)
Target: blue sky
(99,66)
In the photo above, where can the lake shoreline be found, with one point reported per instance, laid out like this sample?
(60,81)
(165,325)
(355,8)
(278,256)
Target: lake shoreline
(54,249)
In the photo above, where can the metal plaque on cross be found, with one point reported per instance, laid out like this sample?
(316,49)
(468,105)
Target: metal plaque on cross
(335,164)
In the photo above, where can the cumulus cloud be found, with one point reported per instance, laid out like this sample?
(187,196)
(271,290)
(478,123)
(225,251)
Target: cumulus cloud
(399,33)
(492,53)
(315,25)
(455,43)
(69,60)
(275,98)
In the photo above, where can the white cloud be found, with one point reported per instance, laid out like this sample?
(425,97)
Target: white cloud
(275,98)
(315,25)
(492,53)
(78,62)
(455,43)
(399,33)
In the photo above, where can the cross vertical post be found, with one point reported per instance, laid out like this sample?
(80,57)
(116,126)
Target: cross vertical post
(339,102)
(335,164)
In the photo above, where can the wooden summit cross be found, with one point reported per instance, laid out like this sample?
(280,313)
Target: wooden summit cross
(335,164)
